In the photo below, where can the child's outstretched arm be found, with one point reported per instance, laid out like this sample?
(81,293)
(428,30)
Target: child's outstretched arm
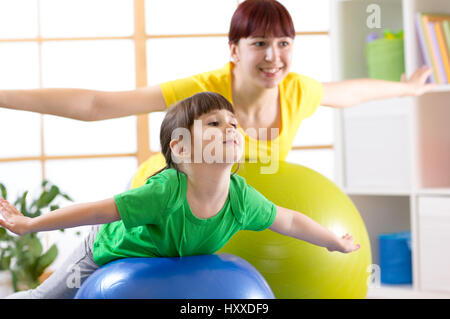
(100,212)
(294,224)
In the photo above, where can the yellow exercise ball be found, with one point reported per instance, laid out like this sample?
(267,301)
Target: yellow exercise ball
(294,268)
(148,168)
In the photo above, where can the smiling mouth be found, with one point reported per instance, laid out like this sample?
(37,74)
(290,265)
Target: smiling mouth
(270,71)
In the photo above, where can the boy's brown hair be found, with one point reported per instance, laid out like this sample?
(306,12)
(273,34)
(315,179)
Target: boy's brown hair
(182,115)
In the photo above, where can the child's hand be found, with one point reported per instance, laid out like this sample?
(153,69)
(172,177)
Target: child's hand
(14,221)
(345,245)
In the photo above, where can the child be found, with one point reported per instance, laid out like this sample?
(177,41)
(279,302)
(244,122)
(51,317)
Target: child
(191,207)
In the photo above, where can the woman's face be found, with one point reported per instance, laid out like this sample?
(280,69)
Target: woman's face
(263,60)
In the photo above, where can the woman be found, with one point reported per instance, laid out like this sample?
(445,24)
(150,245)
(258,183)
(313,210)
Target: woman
(270,101)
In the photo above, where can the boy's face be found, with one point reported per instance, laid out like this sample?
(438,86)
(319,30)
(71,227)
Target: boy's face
(217,134)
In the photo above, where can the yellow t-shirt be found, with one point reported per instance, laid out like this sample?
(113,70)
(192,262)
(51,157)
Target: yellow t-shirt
(299,98)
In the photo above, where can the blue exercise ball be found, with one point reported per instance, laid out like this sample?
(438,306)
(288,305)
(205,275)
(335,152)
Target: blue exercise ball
(221,276)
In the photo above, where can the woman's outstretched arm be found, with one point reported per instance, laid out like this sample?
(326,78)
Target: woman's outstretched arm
(352,92)
(85,105)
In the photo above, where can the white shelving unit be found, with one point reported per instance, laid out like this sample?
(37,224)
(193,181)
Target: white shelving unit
(393,156)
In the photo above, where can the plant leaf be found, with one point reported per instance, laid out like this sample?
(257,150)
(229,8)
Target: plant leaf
(48,197)
(46,259)
(3,190)
(67,197)
(35,247)
(2,233)
(5,262)
(14,280)
(22,201)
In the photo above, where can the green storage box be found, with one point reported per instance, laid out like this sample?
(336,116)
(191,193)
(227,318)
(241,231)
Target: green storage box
(385,59)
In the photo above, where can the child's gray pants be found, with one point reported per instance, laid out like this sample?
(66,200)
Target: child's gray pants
(64,283)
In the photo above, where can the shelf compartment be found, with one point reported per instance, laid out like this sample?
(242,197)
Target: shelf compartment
(377,148)
(433,114)
(350,30)
(434,257)
(383,214)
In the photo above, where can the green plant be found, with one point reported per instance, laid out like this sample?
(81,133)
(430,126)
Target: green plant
(24,255)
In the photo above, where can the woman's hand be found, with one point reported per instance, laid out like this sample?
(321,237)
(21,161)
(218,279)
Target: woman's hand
(14,221)
(417,82)
(345,245)
(347,93)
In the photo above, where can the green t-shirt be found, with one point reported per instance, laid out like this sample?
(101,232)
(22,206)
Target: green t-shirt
(157,221)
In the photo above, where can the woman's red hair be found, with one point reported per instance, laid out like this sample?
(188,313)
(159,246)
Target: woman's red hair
(260,18)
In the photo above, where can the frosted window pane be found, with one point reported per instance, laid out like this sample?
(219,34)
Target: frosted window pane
(155,120)
(86,18)
(312,57)
(20,176)
(101,65)
(188,17)
(19,65)
(91,179)
(317,129)
(18,19)
(19,133)
(70,137)
(170,59)
(321,161)
(309,15)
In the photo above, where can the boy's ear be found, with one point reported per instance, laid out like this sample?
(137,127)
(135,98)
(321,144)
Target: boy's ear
(179,148)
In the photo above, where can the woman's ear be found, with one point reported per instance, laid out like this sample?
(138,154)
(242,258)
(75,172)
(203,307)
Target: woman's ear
(234,52)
